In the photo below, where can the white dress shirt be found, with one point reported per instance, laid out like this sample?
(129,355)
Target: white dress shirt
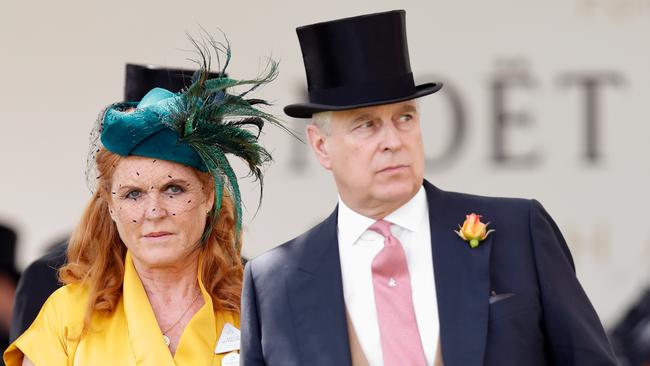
(358,246)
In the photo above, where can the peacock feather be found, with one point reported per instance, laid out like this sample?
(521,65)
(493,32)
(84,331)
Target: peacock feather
(215,120)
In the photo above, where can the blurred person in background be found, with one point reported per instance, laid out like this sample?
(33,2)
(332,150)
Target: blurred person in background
(40,279)
(37,282)
(631,336)
(9,277)
(153,273)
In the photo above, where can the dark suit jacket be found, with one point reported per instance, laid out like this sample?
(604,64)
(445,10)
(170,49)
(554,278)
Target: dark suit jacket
(293,312)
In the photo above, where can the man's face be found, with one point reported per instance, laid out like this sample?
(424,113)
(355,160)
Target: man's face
(7,294)
(375,154)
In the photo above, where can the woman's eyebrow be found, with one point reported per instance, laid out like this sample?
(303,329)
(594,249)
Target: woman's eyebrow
(129,186)
(176,181)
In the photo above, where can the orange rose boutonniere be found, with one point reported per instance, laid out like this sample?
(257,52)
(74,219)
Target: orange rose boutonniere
(473,230)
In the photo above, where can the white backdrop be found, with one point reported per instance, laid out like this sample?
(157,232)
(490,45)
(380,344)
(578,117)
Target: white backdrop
(527,66)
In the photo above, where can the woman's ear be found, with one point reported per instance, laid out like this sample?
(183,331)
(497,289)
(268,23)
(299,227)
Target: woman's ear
(210,201)
(108,201)
(111,212)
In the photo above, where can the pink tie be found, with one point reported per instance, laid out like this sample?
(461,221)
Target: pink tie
(398,329)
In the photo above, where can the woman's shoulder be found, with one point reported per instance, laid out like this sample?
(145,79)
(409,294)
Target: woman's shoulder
(71,295)
(69,303)
(53,333)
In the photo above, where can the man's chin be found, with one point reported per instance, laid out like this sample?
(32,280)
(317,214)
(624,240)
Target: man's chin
(397,191)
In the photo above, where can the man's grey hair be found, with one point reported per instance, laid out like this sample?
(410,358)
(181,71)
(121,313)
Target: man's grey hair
(323,121)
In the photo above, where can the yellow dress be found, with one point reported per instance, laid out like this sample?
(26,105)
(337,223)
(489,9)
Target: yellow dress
(128,336)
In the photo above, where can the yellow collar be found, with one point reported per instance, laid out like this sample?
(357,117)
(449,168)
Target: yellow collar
(197,343)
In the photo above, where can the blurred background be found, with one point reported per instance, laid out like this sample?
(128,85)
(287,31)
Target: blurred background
(545,100)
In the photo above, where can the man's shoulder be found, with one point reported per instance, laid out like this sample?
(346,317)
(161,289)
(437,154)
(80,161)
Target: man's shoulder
(45,268)
(287,253)
(452,207)
(482,202)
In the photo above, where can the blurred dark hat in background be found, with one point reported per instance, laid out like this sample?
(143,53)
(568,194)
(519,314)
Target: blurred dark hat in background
(8,239)
(140,79)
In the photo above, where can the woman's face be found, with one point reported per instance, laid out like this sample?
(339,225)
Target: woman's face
(159,208)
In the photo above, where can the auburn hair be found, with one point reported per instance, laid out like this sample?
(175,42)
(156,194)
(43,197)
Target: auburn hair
(96,253)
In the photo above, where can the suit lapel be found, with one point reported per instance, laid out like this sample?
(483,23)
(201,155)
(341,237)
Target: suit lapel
(315,292)
(462,282)
(462,278)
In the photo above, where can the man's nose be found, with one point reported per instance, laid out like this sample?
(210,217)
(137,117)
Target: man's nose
(391,138)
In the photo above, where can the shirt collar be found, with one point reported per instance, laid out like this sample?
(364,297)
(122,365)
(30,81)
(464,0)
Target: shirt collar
(411,214)
(351,224)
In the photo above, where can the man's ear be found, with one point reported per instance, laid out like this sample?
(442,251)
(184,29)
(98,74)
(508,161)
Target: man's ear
(318,142)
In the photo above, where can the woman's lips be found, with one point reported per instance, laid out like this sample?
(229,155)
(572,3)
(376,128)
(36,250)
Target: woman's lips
(157,234)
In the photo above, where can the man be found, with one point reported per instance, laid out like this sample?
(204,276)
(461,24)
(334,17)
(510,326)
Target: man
(389,278)
(9,277)
(37,283)
(631,336)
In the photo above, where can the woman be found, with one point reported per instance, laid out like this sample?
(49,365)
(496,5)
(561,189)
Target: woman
(154,270)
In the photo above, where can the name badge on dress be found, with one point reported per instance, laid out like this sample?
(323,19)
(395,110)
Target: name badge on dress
(231,359)
(228,341)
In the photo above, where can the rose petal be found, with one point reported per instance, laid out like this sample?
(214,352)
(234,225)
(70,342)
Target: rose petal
(460,233)
(487,233)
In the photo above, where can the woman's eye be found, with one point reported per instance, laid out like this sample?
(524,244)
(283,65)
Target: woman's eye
(133,195)
(174,189)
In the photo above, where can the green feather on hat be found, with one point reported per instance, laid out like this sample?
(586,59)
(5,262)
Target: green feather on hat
(199,126)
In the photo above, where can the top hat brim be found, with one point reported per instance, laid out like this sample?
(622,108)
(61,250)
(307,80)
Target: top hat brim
(306,110)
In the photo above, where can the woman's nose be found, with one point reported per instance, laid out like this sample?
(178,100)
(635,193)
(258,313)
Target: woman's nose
(154,210)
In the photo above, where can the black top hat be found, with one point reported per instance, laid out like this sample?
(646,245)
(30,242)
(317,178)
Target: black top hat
(357,62)
(141,79)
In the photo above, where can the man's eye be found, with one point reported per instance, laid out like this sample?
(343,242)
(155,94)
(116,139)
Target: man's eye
(405,117)
(174,189)
(366,124)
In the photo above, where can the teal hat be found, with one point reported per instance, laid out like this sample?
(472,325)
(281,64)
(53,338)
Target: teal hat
(138,129)
(197,127)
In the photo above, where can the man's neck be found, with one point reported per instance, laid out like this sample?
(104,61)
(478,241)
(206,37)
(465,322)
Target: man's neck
(376,210)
